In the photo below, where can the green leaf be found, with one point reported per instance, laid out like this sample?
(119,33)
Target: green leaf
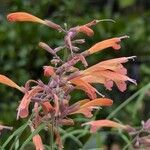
(18,131)
(126,3)
(36,131)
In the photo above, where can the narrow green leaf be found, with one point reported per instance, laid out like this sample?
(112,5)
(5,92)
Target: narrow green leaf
(18,131)
(36,131)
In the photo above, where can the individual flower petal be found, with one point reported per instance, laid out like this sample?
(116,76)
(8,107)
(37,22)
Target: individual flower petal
(5,80)
(113,42)
(23,16)
(86,106)
(86,30)
(95,125)
(81,84)
(122,86)
(108,84)
(48,71)
(23,107)
(47,107)
(38,142)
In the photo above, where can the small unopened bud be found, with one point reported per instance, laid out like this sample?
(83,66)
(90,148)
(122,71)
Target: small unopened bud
(79,41)
(74,48)
(58,48)
(53,25)
(48,71)
(46,47)
(55,61)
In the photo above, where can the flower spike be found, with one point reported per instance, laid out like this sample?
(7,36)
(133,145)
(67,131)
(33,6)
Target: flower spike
(107,72)
(51,98)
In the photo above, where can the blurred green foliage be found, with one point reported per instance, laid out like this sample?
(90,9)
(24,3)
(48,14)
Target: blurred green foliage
(21,58)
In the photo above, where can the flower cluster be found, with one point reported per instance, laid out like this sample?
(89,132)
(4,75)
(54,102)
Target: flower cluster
(51,99)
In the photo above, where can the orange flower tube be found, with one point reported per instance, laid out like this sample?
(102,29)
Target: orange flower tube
(5,80)
(23,16)
(113,42)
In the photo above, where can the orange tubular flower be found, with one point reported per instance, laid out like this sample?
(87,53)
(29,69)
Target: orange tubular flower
(86,106)
(95,125)
(23,107)
(86,30)
(23,16)
(113,42)
(26,17)
(107,72)
(9,82)
(51,99)
(38,142)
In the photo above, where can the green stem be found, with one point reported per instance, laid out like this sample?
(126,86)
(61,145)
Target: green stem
(52,136)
